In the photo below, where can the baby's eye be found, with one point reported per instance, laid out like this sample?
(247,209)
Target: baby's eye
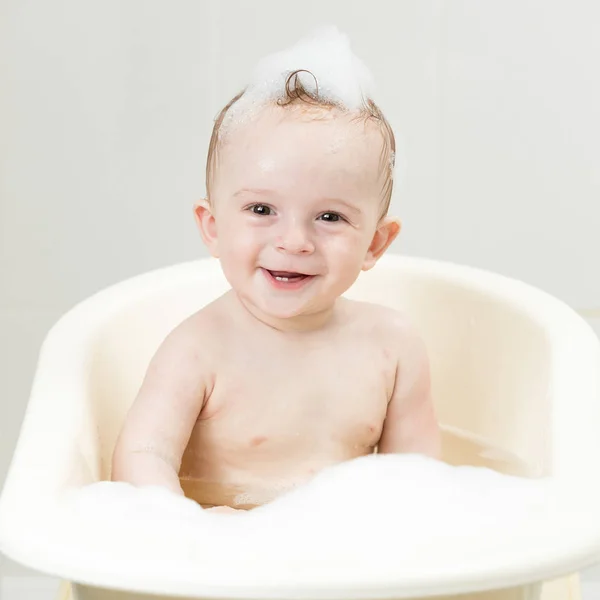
(331,217)
(261,209)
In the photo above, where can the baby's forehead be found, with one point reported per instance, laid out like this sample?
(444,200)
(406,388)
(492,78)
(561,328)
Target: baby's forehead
(325,128)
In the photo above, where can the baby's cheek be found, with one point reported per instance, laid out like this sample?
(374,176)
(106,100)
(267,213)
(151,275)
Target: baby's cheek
(346,251)
(238,243)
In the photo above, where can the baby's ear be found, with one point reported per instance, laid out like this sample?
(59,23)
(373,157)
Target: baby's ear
(387,231)
(207,226)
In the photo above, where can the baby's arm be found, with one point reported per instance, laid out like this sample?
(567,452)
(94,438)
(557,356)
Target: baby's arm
(160,422)
(411,425)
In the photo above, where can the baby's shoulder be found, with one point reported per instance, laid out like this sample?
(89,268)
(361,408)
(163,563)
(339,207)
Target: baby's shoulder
(391,326)
(376,317)
(201,332)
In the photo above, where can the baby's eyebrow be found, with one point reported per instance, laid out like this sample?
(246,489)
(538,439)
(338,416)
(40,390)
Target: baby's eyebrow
(258,191)
(348,205)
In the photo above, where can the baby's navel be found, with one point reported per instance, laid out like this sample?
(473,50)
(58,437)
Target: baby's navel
(258,440)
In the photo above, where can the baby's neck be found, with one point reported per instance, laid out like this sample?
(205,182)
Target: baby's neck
(298,324)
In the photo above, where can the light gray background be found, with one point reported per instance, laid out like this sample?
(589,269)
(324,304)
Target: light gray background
(106,110)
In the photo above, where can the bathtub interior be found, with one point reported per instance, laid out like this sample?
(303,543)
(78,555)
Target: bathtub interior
(489,360)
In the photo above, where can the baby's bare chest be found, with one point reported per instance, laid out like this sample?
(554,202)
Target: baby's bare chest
(337,395)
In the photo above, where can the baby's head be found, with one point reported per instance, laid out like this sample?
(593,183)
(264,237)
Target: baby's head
(298,189)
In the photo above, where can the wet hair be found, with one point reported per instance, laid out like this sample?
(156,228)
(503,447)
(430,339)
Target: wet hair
(297,94)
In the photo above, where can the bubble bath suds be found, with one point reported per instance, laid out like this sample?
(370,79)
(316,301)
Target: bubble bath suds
(381,515)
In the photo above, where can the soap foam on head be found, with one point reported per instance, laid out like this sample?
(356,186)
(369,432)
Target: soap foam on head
(323,64)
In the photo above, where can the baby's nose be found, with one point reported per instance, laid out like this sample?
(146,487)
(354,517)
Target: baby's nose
(295,239)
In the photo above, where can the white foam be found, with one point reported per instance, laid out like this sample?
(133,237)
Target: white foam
(378,516)
(342,78)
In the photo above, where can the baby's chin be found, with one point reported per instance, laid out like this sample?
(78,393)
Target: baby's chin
(295,315)
(283,311)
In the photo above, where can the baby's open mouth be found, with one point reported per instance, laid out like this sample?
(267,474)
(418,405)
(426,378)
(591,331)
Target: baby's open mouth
(287,280)
(287,275)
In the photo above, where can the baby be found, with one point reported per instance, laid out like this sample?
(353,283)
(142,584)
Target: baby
(282,376)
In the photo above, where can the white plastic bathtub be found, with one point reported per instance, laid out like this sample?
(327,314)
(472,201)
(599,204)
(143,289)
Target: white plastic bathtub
(516,378)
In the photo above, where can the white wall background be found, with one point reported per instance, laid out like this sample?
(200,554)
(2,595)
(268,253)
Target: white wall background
(106,110)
